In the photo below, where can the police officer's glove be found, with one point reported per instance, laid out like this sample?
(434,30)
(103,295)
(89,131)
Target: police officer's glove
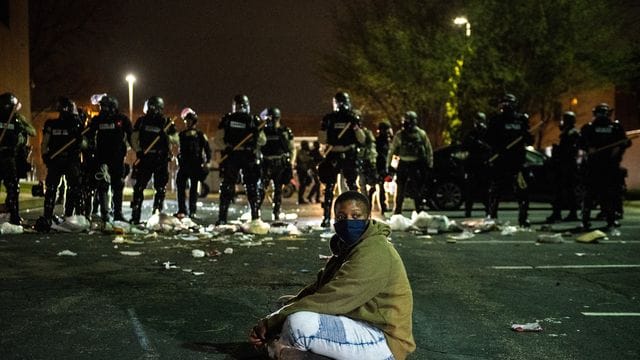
(46,158)
(139,154)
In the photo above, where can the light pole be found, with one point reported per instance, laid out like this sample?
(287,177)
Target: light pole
(130,79)
(461,20)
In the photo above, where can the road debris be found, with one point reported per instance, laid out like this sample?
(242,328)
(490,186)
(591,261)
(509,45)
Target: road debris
(67,253)
(592,237)
(528,327)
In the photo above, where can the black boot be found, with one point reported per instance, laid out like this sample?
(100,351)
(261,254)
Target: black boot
(136,208)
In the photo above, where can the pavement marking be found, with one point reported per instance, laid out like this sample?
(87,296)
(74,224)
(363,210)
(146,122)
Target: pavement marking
(595,266)
(533,242)
(150,352)
(610,314)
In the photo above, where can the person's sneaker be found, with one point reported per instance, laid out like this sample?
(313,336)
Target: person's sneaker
(220,222)
(326,222)
(180,215)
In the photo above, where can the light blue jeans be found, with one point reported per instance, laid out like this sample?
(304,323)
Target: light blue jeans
(336,337)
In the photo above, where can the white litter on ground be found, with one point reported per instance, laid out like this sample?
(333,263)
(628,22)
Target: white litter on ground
(73,224)
(67,253)
(9,228)
(131,253)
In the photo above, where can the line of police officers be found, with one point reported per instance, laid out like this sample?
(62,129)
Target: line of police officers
(497,154)
(258,151)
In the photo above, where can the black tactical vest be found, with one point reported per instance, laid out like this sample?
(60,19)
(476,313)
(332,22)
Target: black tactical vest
(110,133)
(237,126)
(150,127)
(333,123)
(191,146)
(11,130)
(61,131)
(277,141)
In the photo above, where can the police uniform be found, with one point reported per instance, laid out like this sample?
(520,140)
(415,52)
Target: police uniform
(245,160)
(67,128)
(304,165)
(508,135)
(154,162)
(110,132)
(565,171)
(602,165)
(413,147)
(475,168)
(383,143)
(340,130)
(367,155)
(316,159)
(13,131)
(276,164)
(195,154)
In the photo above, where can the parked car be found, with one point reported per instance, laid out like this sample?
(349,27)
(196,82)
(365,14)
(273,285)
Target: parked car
(445,190)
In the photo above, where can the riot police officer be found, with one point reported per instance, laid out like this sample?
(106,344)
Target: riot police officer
(152,137)
(383,143)
(367,156)
(413,147)
(475,169)
(604,142)
(565,169)
(278,157)
(13,136)
(62,142)
(304,163)
(240,136)
(194,157)
(110,132)
(316,159)
(508,135)
(341,131)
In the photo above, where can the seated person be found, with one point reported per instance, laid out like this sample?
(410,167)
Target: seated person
(361,305)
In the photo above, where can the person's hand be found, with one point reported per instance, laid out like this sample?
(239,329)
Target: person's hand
(139,154)
(257,336)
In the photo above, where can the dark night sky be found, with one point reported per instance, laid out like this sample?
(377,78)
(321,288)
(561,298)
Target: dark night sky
(201,53)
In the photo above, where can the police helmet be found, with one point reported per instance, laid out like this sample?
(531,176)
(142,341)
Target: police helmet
(341,101)
(508,102)
(189,114)
(241,104)
(409,120)
(66,105)
(568,120)
(9,102)
(274,113)
(384,125)
(109,104)
(601,109)
(153,105)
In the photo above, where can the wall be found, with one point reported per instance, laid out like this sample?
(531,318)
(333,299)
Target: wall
(14,47)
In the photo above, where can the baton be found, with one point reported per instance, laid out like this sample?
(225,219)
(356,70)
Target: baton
(514,142)
(246,138)
(344,130)
(632,134)
(154,141)
(6,124)
(69,143)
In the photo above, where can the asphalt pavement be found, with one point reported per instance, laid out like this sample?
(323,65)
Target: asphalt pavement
(148,297)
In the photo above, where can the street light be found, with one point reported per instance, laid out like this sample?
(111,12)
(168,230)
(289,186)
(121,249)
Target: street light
(461,20)
(130,79)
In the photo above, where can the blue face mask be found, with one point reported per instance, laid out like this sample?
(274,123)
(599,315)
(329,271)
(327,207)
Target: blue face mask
(350,231)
